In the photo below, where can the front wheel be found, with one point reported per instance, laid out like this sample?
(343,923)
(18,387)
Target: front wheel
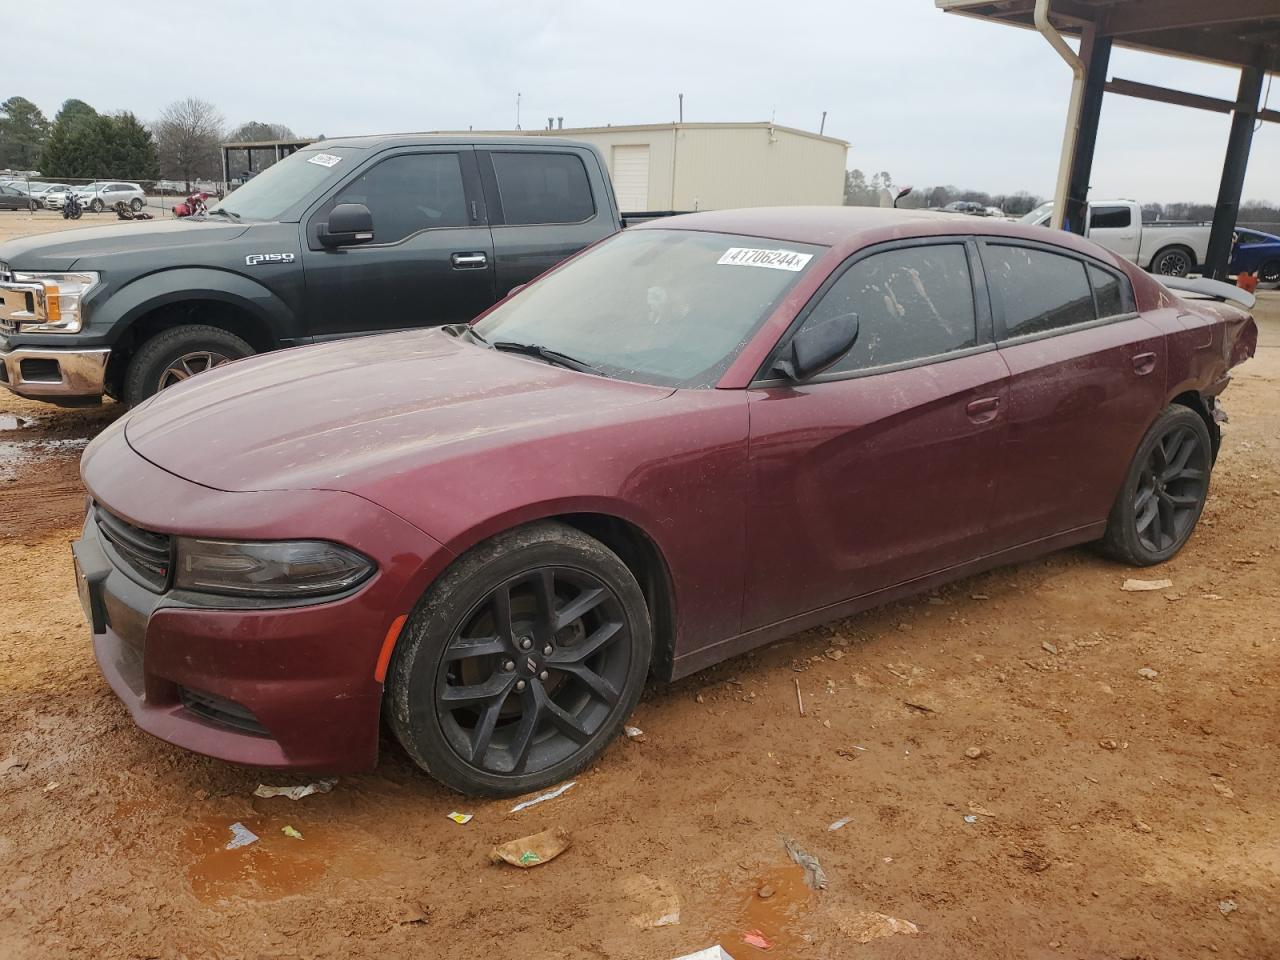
(1164,491)
(135,204)
(520,664)
(179,354)
(96,205)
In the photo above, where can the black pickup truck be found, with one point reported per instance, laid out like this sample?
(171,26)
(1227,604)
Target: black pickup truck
(344,238)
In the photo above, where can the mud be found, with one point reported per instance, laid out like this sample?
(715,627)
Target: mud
(1111,813)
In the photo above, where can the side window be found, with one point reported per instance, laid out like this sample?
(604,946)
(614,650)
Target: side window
(911,303)
(409,193)
(1110,218)
(1037,291)
(1108,293)
(543,187)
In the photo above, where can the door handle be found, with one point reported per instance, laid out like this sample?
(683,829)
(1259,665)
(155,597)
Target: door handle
(469,261)
(984,410)
(1144,363)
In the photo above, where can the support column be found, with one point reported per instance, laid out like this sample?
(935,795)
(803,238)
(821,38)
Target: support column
(1095,51)
(1239,144)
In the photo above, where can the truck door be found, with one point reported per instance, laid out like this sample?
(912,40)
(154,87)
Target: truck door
(431,258)
(542,209)
(1116,227)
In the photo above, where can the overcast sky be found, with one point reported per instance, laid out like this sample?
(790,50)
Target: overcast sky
(930,97)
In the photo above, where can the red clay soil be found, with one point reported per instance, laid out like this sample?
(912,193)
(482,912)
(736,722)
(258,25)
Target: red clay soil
(1112,814)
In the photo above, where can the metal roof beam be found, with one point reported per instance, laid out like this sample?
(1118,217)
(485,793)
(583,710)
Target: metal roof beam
(1179,98)
(1153,15)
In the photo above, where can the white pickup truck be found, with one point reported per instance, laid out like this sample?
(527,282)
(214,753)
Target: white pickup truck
(1173,249)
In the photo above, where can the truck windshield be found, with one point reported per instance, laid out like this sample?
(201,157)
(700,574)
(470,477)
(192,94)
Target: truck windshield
(1041,211)
(276,189)
(666,307)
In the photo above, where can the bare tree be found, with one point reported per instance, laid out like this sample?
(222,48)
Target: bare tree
(188,135)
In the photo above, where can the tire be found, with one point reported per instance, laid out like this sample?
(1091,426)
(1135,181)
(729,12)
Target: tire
(96,205)
(1173,261)
(1269,272)
(1164,491)
(136,204)
(177,354)
(590,669)
(33,205)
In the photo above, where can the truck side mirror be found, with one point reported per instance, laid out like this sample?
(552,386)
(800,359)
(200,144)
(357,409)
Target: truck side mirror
(348,223)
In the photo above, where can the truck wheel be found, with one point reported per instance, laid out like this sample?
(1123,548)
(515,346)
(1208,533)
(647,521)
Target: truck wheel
(1173,262)
(1269,272)
(179,354)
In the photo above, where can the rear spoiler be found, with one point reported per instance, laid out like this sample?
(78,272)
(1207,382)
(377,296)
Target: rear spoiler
(1214,289)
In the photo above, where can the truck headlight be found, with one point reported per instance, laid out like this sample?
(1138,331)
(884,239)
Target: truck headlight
(57,310)
(282,569)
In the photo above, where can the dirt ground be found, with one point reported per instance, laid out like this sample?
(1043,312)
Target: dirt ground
(1107,815)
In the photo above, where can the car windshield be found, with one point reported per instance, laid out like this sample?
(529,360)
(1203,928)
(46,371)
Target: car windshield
(282,185)
(666,307)
(1041,211)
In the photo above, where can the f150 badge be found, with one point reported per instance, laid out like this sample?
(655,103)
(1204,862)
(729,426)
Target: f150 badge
(253,259)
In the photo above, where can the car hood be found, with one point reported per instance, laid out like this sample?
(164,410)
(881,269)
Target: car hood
(336,415)
(64,249)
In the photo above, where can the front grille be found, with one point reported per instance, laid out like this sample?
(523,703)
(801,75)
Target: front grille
(145,556)
(222,711)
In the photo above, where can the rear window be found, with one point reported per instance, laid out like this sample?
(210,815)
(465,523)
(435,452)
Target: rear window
(1036,291)
(1110,218)
(543,188)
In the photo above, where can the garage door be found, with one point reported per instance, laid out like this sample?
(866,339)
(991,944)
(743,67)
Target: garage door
(631,178)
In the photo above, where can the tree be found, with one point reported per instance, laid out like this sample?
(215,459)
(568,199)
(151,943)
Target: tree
(85,144)
(73,112)
(23,132)
(130,150)
(188,135)
(255,130)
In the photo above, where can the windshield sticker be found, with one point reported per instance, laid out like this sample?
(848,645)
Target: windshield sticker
(325,159)
(772,259)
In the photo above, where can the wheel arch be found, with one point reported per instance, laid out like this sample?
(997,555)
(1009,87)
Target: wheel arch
(1193,400)
(1175,245)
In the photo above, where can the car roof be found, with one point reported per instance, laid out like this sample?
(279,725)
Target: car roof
(416,139)
(850,228)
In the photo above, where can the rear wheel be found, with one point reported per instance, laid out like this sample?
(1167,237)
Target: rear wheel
(179,354)
(135,204)
(520,664)
(1164,491)
(1269,272)
(1173,262)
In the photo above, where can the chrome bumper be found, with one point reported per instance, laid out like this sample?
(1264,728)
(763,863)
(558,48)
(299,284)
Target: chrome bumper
(52,374)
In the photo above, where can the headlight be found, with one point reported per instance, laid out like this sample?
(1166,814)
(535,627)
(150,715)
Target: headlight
(58,309)
(298,568)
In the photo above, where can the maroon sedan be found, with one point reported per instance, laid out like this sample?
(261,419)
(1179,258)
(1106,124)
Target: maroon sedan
(698,436)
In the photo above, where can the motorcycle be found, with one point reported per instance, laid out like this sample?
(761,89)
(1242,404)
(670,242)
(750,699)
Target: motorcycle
(72,208)
(195,205)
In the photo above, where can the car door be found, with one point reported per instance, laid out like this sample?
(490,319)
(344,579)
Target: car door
(541,209)
(1113,226)
(882,469)
(431,258)
(1088,378)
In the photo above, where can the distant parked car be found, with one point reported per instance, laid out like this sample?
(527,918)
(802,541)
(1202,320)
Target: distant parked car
(100,195)
(40,191)
(971,207)
(13,197)
(1258,253)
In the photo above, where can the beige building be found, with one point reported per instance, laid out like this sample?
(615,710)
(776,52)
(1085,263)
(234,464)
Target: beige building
(711,166)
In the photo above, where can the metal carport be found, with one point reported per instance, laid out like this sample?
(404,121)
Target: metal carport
(1236,33)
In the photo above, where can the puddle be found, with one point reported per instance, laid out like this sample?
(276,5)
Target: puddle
(273,867)
(16,454)
(780,917)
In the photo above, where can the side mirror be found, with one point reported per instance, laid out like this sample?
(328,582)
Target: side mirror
(901,193)
(817,346)
(348,223)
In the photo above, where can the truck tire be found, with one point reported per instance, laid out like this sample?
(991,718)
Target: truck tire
(174,355)
(1174,261)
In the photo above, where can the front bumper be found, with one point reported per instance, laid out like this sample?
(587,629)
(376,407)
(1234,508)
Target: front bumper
(44,373)
(282,687)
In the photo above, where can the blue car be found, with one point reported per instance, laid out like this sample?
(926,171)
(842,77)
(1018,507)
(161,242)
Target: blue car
(1257,253)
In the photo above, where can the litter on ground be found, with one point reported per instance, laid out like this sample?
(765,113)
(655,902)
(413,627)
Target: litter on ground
(546,796)
(813,872)
(241,836)
(295,793)
(532,850)
(1136,586)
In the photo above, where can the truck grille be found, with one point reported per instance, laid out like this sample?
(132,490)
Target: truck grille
(145,556)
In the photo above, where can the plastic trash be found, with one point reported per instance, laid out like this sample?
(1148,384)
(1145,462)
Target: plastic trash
(546,796)
(533,850)
(289,831)
(865,927)
(461,818)
(710,953)
(757,939)
(241,836)
(295,793)
(1136,586)
(634,733)
(813,873)
(838,824)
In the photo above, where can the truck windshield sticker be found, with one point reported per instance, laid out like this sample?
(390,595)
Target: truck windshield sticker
(325,159)
(772,259)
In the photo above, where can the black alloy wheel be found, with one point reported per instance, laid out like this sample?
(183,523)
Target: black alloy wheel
(1164,492)
(1174,262)
(521,663)
(1269,272)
